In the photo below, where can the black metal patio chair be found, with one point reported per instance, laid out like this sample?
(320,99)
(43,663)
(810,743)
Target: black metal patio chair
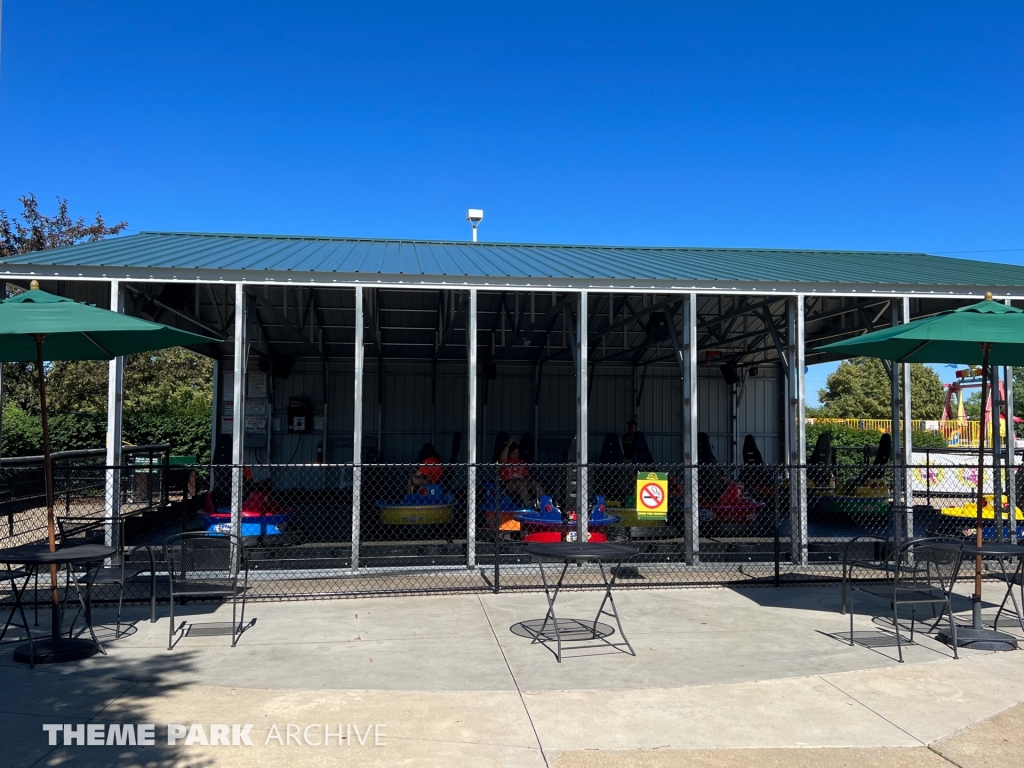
(10,576)
(126,565)
(204,566)
(912,572)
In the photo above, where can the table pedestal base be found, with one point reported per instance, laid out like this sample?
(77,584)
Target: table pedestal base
(979,639)
(48,652)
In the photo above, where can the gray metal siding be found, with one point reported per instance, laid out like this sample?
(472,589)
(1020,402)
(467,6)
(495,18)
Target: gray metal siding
(410,420)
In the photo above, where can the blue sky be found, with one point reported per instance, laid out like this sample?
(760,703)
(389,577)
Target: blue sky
(860,125)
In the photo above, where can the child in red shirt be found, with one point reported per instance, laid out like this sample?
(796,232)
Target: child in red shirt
(515,475)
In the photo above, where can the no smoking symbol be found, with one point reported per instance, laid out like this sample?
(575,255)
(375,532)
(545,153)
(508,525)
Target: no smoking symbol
(651,496)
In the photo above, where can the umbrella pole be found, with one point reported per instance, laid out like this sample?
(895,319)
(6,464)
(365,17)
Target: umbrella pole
(55,618)
(976,597)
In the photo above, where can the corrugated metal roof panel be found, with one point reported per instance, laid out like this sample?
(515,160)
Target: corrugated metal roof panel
(353,256)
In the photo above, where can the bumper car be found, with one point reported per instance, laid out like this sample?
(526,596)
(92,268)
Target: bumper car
(866,498)
(261,516)
(428,505)
(733,507)
(965,519)
(549,525)
(498,504)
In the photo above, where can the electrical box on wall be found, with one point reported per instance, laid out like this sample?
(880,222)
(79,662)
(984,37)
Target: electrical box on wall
(300,415)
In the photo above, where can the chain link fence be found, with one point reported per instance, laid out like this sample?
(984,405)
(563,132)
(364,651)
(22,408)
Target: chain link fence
(314,531)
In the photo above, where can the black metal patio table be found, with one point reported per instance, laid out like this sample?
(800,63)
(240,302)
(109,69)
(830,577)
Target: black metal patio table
(56,648)
(576,552)
(1001,550)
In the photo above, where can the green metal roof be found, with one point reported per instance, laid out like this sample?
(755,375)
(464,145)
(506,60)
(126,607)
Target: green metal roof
(176,255)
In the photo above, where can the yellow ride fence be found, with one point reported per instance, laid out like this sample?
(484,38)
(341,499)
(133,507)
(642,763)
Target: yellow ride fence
(956,433)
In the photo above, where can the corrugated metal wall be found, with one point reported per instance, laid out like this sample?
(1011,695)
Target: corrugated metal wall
(507,404)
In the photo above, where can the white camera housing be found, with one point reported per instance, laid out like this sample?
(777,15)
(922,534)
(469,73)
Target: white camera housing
(475,215)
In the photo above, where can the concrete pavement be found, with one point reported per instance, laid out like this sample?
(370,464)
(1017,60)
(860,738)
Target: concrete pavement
(721,678)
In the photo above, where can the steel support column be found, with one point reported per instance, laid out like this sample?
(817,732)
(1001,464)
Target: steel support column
(582,418)
(898,484)
(907,453)
(241,353)
(357,430)
(471,437)
(1011,450)
(796,429)
(115,412)
(691,514)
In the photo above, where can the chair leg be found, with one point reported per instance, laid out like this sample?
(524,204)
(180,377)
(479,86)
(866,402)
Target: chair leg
(896,624)
(913,609)
(120,602)
(842,591)
(851,618)
(952,626)
(170,628)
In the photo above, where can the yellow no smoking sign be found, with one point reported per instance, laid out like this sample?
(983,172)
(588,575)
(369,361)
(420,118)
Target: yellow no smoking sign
(651,495)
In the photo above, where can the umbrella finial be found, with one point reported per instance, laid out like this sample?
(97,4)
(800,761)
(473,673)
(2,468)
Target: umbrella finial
(34,285)
(988,295)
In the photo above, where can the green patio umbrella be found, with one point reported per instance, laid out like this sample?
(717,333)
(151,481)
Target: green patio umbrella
(986,333)
(36,326)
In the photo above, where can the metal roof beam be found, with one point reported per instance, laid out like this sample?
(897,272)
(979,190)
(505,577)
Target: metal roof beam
(266,305)
(541,324)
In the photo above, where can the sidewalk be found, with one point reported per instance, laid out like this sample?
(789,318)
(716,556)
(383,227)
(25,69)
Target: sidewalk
(721,678)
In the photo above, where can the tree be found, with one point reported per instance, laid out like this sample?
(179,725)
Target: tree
(168,393)
(39,232)
(860,389)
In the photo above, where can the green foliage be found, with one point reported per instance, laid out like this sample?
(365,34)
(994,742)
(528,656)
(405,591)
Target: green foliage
(187,429)
(843,437)
(35,231)
(860,389)
(75,431)
(22,433)
(919,439)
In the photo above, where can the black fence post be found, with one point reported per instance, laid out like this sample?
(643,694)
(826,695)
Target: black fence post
(67,490)
(497,536)
(165,475)
(775,512)
(928,476)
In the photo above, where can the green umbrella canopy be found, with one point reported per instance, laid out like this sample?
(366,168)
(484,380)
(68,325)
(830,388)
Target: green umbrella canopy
(955,336)
(76,331)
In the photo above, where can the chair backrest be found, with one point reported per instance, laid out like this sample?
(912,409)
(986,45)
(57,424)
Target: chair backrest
(751,453)
(931,562)
(209,554)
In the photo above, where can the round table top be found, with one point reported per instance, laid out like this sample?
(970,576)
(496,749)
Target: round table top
(994,549)
(40,554)
(574,550)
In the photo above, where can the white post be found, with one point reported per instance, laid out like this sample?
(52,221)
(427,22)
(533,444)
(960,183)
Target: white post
(471,439)
(907,454)
(238,413)
(115,411)
(691,504)
(1011,450)
(582,417)
(357,431)
(797,430)
(898,489)
(1011,457)
(3,295)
